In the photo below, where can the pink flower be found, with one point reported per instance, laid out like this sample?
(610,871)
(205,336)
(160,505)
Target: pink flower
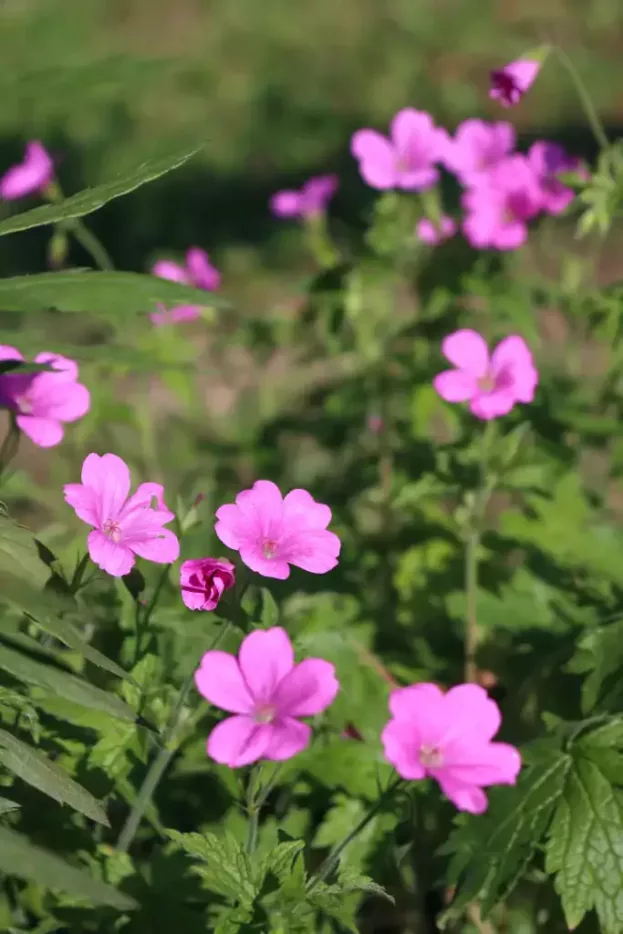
(122,527)
(43,401)
(267,693)
(312,198)
(510,83)
(198,272)
(492,385)
(427,232)
(204,580)
(478,146)
(500,205)
(272,532)
(405,160)
(31,175)
(547,161)
(448,737)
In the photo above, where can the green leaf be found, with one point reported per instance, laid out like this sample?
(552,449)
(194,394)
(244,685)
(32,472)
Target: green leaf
(62,684)
(19,857)
(110,294)
(492,850)
(350,881)
(6,805)
(19,554)
(223,864)
(599,654)
(585,841)
(91,199)
(33,767)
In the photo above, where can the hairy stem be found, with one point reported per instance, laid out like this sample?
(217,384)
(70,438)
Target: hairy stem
(588,107)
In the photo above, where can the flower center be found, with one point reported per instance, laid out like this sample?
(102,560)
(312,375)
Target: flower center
(265,714)
(269,548)
(23,404)
(486,383)
(112,530)
(431,757)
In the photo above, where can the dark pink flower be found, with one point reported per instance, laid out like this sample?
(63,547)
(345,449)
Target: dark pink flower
(449,738)
(271,532)
(311,199)
(198,272)
(499,206)
(432,234)
(510,83)
(203,581)
(491,384)
(478,146)
(407,159)
(548,161)
(267,693)
(43,401)
(32,175)
(123,525)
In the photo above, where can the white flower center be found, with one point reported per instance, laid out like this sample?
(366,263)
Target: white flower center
(486,383)
(265,714)
(24,404)
(431,757)
(269,549)
(112,530)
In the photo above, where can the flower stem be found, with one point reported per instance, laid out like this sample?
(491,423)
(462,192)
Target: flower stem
(93,246)
(471,613)
(10,444)
(332,859)
(162,760)
(585,99)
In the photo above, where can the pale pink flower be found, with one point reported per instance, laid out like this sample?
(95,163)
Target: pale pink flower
(267,693)
(122,527)
(272,532)
(203,581)
(491,384)
(478,146)
(429,232)
(501,203)
(407,159)
(548,161)
(510,83)
(311,199)
(198,272)
(43,401)
(32,175)
(448,737)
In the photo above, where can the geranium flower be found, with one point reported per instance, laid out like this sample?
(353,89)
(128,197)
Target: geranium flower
(311,199)
(32,175)
(203,581)
(198,272)
(510,83)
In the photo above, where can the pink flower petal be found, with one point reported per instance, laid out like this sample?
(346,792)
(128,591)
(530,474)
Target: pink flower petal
(315,551)
(231,527)
(31,175)
(377,159)
(109,478)
(513,356)
(402,751)
(301,507)
(287,738)
(308,689)
(9,353)
(201,271)
(84,502)
(468,351)
(220,681)
(286,204)
(167,269)
(265,657)
(490,405)
(406,703)
(262,508)
(238,741)
(277,568)
(163,549)
(468,798)
(113,558)
(65,402)
(45,432)
(455,385)
(474,763)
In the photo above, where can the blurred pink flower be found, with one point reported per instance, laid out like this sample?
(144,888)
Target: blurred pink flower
(311,199)
(272,532)
(122,527)
(405,160)
(478,146)
(31,175)
(267,693)
(428,232)
(547,161)
(510,83)
(198,272)
(448,737)
(203,582)
(499,206)
(43,401)
(491,384)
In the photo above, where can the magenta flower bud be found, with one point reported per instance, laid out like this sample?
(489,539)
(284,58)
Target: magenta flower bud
(312,199)
(203,581)
(510,83)
(32,175)
(429,232)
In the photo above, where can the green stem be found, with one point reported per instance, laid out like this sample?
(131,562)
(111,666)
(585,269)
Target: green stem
(471,612)
(253,827)
(76,580)
(10,444)
(89,242)
(587,105)
(332,859)
(162,760)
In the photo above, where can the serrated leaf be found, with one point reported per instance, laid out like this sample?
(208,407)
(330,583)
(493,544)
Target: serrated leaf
(332,901)
(62,684)
(280,860)
(355,882)
(19,555)
(222,864)
(6,806)
(19,857)
(110,294)
(491,850)
(33,767)
(91,199)
(585,843)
